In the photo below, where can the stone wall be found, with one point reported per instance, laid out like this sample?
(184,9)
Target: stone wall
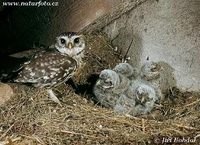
(167,31)
(162,30)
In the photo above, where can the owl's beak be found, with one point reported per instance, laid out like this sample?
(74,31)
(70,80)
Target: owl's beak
(162,68)
(70,45)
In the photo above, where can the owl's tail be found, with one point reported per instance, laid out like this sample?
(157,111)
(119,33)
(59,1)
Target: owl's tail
(9,67)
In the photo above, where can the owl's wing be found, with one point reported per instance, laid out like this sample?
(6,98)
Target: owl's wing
(47,69)
(10,66)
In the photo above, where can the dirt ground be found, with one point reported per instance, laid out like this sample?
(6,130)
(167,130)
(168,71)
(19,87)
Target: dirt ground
(31,118)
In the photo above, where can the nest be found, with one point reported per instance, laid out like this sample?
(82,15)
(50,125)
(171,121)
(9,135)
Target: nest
(31,118)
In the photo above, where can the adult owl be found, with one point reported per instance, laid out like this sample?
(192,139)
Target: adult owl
(49,69)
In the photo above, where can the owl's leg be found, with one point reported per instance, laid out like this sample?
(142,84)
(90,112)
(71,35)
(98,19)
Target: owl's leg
(53,96)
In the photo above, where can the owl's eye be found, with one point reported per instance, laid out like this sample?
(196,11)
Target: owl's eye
(108,83)
(62,41)
(153,69)
(76,40)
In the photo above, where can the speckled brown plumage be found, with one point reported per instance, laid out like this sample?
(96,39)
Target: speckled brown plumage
(47,69)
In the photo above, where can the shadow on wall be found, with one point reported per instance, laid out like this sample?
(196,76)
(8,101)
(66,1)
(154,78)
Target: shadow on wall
(22,27)
(169,79)
(124,39)
(170,33)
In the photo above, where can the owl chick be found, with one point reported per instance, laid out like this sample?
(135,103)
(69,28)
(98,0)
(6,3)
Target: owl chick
(51,68)
(116,91)
(127,70)
(139,99)
(146,96)
(109,87)
(153,73)
(150,71)
(125,105)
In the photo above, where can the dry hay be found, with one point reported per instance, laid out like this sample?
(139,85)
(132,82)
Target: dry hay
(31,118)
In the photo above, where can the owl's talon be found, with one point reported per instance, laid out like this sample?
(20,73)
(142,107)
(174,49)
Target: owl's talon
(53,97)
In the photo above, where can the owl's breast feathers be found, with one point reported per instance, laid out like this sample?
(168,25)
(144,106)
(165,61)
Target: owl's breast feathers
(47,70)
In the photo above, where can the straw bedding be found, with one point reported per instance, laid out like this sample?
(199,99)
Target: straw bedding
(30,117)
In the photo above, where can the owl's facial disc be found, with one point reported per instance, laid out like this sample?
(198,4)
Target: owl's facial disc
(151,71)
(70,45)
(61,43)
(78,44)
(108,84)
(108,79)
(105,84)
